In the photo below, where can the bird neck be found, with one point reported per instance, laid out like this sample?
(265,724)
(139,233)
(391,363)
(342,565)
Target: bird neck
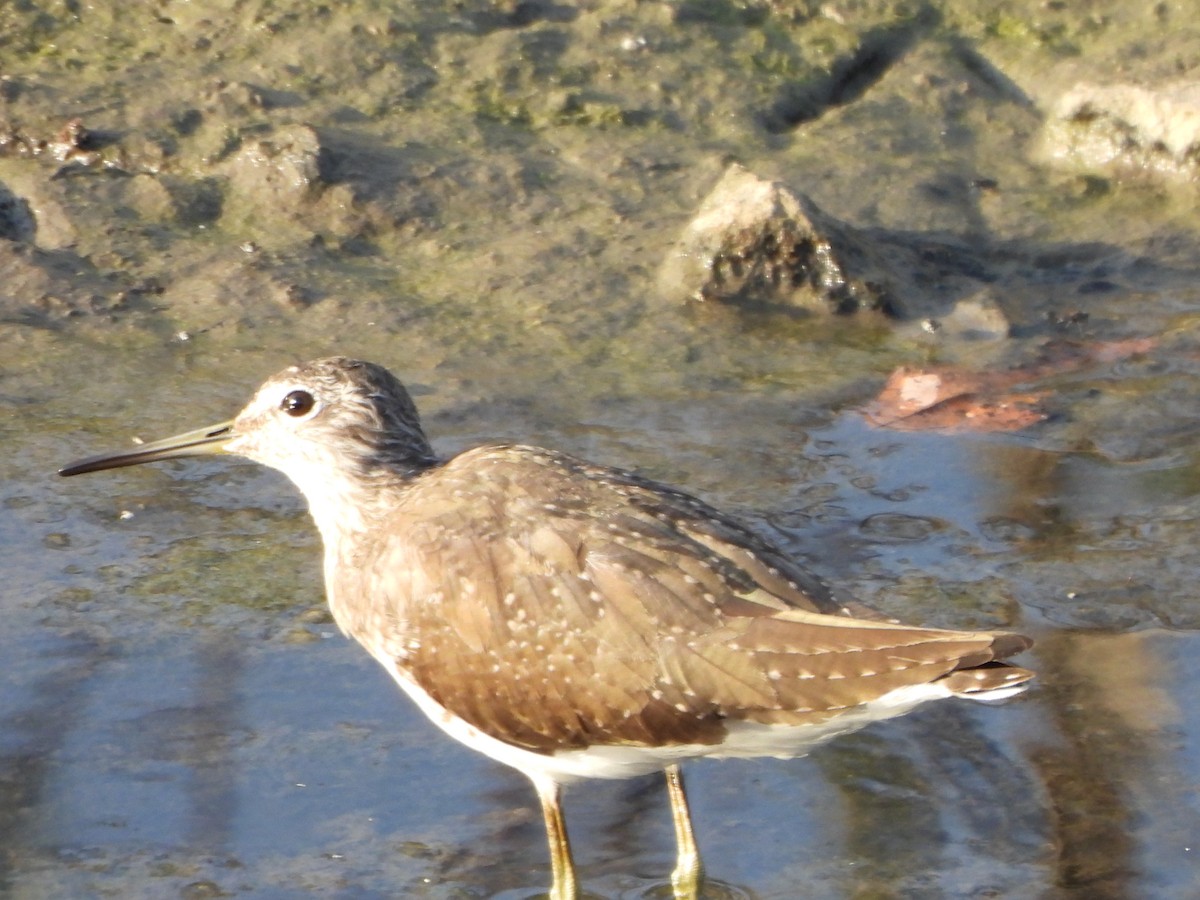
(348,512)
(345,502)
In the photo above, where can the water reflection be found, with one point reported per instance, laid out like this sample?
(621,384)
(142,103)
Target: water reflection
(45,694)
(1122,780)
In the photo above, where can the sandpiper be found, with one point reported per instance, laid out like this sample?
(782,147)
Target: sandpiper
(573,620)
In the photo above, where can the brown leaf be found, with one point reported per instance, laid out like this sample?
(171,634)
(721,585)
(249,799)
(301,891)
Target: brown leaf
(911,391)
(948,398)
(970,412)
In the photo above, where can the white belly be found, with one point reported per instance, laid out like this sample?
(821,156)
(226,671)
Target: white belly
(744,739)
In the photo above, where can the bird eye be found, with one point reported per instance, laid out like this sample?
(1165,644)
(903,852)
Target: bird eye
(298,403)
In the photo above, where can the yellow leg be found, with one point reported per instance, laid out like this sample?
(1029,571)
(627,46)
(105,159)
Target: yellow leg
(688,876)
(566,886)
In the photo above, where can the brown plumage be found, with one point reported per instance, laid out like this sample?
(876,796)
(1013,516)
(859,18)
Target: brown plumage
(575,620)
(554,604)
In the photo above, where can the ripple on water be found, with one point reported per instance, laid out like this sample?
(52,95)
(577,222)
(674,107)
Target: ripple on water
(900,528)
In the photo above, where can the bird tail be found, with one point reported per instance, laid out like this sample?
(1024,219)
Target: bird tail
(989,682)
(992,679)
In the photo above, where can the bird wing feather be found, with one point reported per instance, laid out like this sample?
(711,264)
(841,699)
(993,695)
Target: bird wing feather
(555,611)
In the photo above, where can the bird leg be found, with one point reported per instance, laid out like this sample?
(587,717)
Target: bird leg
(689,870)
(566,886)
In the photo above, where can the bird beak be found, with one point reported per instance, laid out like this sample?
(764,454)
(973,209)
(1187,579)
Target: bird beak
(201,442)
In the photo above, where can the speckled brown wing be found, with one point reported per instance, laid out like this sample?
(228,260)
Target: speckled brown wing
(805,668)
(555,611)
(745,557)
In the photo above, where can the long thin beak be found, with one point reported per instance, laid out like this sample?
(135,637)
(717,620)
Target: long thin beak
(201,442)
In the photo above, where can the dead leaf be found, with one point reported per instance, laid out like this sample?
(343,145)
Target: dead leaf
(969,412)
(949,398)
(911,391)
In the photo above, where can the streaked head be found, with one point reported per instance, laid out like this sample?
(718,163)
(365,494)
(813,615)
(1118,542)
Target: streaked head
(329,417)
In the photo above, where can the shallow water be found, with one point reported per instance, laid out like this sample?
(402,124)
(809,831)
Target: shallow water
(178,716)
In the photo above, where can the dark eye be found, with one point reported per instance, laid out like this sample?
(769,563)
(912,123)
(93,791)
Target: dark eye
(297,403)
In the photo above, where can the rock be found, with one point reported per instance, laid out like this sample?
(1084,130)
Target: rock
(279,171)
(37,210)
(57,213)
(759,241)
(969,328)
(150,199)
(16,218)
(1128,128)
(42,288)
(231,293)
